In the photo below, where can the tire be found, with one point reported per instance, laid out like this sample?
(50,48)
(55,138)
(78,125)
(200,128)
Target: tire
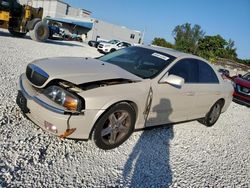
(17,34)
(96,44)
(31,24)
(213,115)
(112,50)
(40,32)
(115,126)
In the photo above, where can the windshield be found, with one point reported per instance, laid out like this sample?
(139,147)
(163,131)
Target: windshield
(142,62)
(113,41)
(246,76)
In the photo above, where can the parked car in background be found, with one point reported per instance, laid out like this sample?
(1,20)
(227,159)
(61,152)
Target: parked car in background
(225,74)
(242,89)
(107,98)
(95,43)
(111,47)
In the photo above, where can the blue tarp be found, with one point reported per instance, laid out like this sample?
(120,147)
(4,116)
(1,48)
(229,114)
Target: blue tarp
(88,25)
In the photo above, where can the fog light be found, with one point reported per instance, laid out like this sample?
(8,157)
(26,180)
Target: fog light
(50,127)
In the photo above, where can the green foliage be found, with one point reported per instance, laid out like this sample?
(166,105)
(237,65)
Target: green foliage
(230,50)
(192,40)
(162,42)
(187,37)
(211,46)
(244,61)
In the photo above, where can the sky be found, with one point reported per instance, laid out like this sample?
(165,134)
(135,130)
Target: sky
(229,18)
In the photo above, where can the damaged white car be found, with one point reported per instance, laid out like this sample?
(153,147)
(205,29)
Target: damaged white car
(107,98)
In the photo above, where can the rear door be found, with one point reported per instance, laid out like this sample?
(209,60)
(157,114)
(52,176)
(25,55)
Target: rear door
(208,90)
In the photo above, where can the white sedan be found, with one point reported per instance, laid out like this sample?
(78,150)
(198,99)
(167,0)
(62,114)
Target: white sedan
(107,98)
(107,47)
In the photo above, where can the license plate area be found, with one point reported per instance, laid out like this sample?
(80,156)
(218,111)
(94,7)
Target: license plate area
(22,102)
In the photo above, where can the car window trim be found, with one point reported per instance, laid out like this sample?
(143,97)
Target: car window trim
(174,63)
(189,83)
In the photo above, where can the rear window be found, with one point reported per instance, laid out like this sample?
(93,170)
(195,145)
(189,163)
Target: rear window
(206,73)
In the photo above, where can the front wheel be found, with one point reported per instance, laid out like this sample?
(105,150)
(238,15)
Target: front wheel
(115,126)
(213,115)
(112,50)
(40,32)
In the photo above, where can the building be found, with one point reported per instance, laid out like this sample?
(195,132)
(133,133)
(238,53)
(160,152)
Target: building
(107,31)
(57,8)
(76,20)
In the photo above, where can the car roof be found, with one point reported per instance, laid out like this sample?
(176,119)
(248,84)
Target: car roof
(171,52)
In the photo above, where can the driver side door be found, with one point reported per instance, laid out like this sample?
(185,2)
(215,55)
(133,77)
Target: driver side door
(170,103)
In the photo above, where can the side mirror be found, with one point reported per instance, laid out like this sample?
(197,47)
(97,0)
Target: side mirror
(239,75)
(174,80)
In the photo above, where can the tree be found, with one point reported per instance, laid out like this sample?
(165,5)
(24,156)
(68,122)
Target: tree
(192,40)
(162,42)
(231,50)
(211,47)
(187,37)
(244,61)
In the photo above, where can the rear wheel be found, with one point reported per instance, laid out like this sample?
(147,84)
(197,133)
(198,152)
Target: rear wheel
(213,115)
(115,126)
(40,32)
(16,33)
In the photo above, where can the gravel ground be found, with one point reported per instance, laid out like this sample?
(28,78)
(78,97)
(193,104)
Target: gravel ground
(184,155)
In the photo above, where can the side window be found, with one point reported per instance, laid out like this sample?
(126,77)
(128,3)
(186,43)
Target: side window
(120,44)
(187,69)
(126,44)
(206,73)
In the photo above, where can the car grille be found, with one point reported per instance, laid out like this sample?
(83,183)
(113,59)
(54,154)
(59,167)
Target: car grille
(100,46)
(243,90)
(36,75)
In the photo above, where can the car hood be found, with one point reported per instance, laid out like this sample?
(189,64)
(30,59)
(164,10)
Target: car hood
(242,82)
(82,70)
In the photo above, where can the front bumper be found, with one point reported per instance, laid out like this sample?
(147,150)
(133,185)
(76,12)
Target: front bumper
(103,51)
(42,113)
(241,99)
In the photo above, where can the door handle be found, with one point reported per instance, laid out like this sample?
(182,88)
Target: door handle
(190,93)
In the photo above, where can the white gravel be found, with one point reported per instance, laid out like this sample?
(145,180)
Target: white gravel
(185,155)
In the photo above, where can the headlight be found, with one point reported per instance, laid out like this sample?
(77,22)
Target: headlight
(63,97)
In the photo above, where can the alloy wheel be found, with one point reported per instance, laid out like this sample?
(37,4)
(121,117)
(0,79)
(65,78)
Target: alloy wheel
(116,127)
(215,113)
